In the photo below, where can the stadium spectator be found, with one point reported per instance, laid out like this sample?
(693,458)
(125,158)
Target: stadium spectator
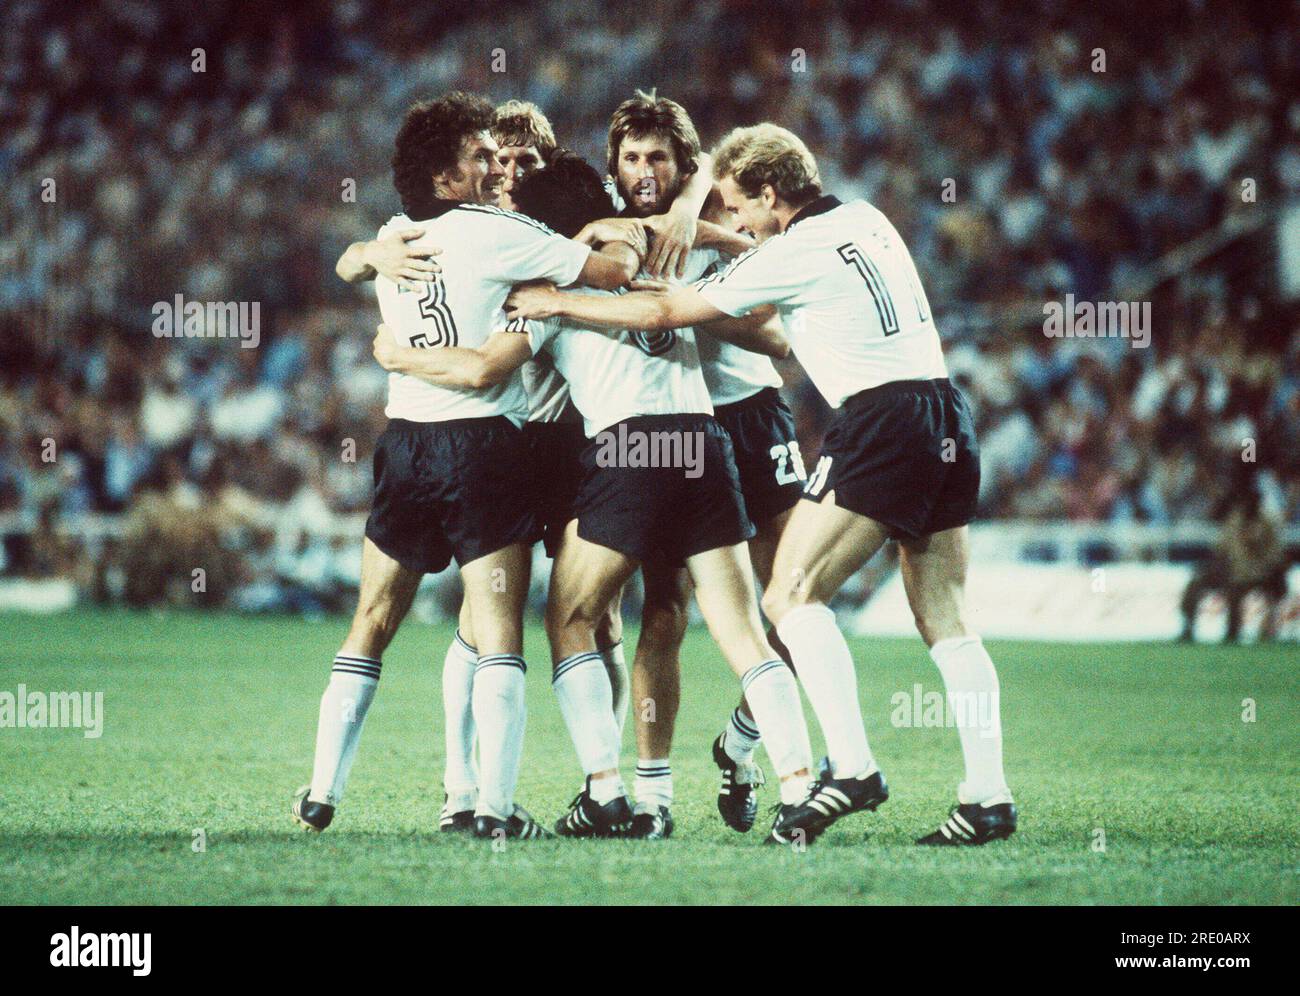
(231,184)
(1249,558)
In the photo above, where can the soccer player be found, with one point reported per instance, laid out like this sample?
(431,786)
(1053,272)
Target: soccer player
(627,385)
(553,436)
(553,433)
(652,150)
(654,153)
(900,460)
(450,468)
(663,149)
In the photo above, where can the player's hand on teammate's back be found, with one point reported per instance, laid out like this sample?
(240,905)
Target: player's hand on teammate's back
(674,235)
(385,347)
(534,300)
(401,262)
(629,230)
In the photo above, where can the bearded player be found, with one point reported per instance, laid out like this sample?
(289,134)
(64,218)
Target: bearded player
(900,460)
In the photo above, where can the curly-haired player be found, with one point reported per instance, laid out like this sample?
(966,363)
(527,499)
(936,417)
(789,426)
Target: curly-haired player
(451,477)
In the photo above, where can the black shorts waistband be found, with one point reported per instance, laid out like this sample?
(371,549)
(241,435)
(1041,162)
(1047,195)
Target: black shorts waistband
(656,422)
(896,389)
(760,399)
(555,428)
(481,422)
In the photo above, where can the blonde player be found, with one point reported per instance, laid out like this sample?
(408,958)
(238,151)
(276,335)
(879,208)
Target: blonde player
(900,460)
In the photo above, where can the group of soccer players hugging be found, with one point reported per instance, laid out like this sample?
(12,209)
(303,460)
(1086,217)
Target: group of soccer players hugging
(522,325)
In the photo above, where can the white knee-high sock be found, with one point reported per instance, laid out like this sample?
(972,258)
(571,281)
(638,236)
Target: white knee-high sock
(460,775)
(741,737)
(586,703)
(773,696)
(500,715)
(343,709)
(825,667)
(620,687)
(973,695)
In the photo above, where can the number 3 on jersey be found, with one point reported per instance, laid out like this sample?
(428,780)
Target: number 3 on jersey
(789,462)
(433,305)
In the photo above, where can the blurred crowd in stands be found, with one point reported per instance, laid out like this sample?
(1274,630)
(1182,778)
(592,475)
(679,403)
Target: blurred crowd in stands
(210,150)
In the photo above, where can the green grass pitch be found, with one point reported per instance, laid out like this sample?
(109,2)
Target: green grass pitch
(209,722)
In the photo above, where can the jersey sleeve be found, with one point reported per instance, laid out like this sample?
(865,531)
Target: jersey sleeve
(540,332)
(396,223)
(528,250)
(763,275)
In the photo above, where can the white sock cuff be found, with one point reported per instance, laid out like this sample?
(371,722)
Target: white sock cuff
(569,664)
(605,789)
(759,670)
(484,808)
(465,645)
(654,784)
(500,660)
(747,728)
(801,615)
(983,795)
(460,798)
(362,667)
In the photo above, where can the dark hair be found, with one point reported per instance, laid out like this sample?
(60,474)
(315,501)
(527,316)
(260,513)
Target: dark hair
(429,142)
(564,196)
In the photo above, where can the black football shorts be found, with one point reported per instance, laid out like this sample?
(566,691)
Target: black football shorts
(461,488)
(768,460)
(555,451)
(662,513)
(903,454)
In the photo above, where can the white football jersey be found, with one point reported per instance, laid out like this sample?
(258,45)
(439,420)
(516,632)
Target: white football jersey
(848,294)
(732,374)
(614,375)
(485,251)
(548,391)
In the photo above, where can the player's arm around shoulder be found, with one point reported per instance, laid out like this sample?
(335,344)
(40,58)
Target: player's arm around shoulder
(611,266)
(760,331)
(677,229)
(453,366)
(709,235)
(393,256)
(651,306)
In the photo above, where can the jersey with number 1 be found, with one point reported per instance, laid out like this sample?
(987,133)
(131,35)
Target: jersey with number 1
(485,251)
(848,295)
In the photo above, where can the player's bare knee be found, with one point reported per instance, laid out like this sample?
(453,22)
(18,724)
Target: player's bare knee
(783,595)
(571,617)
(773,604)
(375,623)
(499,635)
